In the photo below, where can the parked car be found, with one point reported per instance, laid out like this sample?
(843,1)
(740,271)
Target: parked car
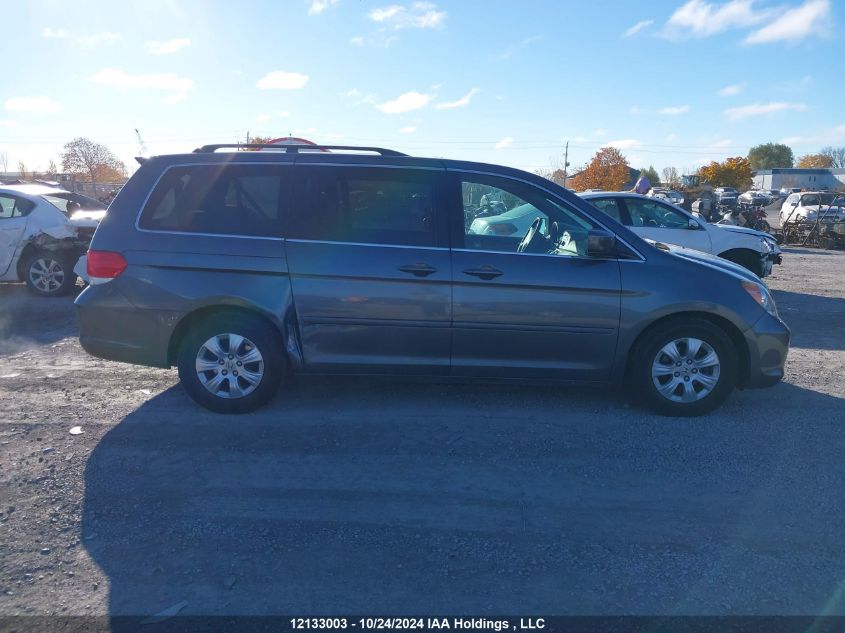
(757,198)
(44,231)
(666,194)
(241,267)
(785,191)
(726,196)
(655,219)
(813,205)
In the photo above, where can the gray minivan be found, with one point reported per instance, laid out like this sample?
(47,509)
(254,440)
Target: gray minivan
(241,267)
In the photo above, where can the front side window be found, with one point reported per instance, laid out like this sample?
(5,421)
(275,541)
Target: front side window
(217,199)
(11,207)
(506,216)
(364,205)
(648,214)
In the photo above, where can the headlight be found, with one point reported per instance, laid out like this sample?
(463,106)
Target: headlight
(761,295)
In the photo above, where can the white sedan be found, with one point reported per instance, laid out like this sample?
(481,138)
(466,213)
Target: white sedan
(658,220)
(44,232)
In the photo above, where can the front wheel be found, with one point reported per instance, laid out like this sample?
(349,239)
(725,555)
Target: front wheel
(231,362)
(684,367)
(49,274)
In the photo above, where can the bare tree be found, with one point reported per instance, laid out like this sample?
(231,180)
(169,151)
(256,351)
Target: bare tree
(21,170)
(836,154)
(52,170)
(670,176)
(83,156)
(4,161)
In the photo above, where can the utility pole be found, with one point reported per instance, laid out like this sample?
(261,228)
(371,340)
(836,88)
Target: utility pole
(565,164)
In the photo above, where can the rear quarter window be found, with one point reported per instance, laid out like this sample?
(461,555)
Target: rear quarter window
(217,199)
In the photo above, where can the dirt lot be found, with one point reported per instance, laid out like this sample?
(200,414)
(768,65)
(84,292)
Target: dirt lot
(348,496)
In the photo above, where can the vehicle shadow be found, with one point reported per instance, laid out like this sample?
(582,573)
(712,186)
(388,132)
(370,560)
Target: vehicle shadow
(816,321)
(26,319)
(345,498)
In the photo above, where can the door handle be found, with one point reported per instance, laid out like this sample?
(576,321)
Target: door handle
(418,270)
(485,272)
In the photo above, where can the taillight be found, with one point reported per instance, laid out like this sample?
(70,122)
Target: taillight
(103,266)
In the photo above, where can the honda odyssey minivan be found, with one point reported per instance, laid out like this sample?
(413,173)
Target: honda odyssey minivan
(240,268)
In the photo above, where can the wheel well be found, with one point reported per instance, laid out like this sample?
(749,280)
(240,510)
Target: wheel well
(29,248)
(740,252)
(723,324)
(200,314)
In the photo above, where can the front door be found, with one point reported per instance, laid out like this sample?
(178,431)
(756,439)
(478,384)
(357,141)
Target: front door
(547,311)
(370,269)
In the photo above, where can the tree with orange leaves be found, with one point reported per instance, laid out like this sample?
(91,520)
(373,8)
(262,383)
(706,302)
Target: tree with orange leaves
(734,172)
(608,170)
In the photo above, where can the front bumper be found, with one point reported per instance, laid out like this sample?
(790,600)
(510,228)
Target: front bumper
(768,345)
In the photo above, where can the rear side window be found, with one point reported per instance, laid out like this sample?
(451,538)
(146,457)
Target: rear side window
(218,199)
(610,206)
(363,205)
(12,207)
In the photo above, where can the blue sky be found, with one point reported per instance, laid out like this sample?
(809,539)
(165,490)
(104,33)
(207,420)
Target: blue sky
(670,82)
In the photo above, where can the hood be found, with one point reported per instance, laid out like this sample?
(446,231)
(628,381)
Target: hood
(744,230)
(87,219)
(707,259)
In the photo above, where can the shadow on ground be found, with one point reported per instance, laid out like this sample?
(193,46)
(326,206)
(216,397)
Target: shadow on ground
(348,497)
(817,322)
(26,319)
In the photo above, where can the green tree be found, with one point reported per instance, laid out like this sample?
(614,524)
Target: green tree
(651,174)
(770,156)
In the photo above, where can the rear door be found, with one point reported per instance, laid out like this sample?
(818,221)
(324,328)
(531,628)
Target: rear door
(549,312)
(13,212)
(370,268)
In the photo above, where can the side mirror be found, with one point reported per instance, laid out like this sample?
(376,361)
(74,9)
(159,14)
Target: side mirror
(601,243)
(693,225)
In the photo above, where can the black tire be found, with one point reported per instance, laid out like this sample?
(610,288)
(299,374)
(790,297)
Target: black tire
(49,274)
(265,338)
(746,259)
(650,344)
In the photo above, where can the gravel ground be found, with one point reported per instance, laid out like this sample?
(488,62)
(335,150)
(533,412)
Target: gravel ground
(352,496)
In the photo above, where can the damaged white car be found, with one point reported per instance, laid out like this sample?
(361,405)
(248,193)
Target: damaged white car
(44,235)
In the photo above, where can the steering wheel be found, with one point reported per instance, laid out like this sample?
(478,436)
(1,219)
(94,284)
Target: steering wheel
(534,241)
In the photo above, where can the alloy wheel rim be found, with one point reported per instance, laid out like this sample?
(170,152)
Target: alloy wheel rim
(685,370)
(46,274)
(229,366)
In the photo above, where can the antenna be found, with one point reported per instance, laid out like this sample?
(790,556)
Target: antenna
(142,148)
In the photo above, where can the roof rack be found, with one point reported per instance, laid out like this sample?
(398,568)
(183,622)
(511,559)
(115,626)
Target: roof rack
(295,149)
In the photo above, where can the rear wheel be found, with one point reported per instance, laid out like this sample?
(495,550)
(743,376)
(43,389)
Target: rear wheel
(231,362)
(684,367)
(49,274)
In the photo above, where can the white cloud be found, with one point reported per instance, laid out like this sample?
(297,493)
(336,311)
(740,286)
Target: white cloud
(834,135)
(56,34)
(318,6)
(357,40)
(167,47)
(263,117)
(418,15)
(32,104)
(703,19)
(460,103)
(409,129)
(405,103)
(810,18)
(600,132)
(758,109)
(98,39)
(7,123)
(674,110)
(625,143)
(639,26)
(513,48)
(282,80)
(505,142)
(729,91)
(177,86)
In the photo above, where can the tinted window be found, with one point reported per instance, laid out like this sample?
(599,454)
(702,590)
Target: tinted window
(610,206)
(364,205)
(11,207)
(646,213)
(224,199)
